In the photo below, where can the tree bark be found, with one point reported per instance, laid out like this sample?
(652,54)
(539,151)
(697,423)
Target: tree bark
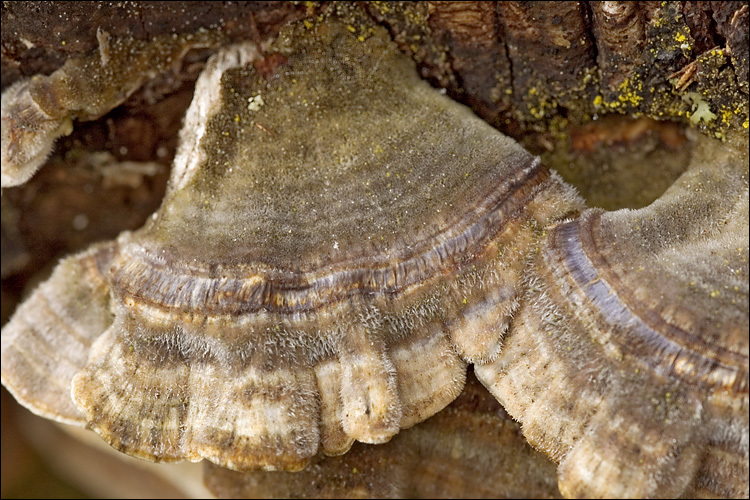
(520,65)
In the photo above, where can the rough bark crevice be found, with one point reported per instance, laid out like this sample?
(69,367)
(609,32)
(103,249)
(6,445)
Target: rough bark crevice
(520,65)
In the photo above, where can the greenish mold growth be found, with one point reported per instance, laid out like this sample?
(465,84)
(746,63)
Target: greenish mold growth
(408,20)
(703,95)
(629,96)
(710,88)
(408,24)
(715,92)
(702,89)
(337,78)
(646,91)
(545,110)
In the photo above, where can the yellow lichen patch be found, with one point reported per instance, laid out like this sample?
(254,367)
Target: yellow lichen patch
(682,39)
(630,92)
(629,97)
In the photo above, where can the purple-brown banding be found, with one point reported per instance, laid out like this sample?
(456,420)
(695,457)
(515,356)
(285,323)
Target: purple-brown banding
(640,330)
(154,281)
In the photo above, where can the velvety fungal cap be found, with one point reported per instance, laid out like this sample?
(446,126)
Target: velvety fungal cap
(343,136)
(338,239)
(627,362)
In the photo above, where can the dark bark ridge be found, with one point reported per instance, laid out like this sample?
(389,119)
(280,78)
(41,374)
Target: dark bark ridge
(521,66)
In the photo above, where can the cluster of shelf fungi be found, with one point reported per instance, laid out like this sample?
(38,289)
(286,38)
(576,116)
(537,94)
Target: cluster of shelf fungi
(339,245)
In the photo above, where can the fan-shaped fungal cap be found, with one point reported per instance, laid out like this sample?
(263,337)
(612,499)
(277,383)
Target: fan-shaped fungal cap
(628,364)
(334,235)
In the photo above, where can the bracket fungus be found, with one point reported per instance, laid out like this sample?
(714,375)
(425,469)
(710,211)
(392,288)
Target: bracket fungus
(635,326)
(339,241)
(322,267)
